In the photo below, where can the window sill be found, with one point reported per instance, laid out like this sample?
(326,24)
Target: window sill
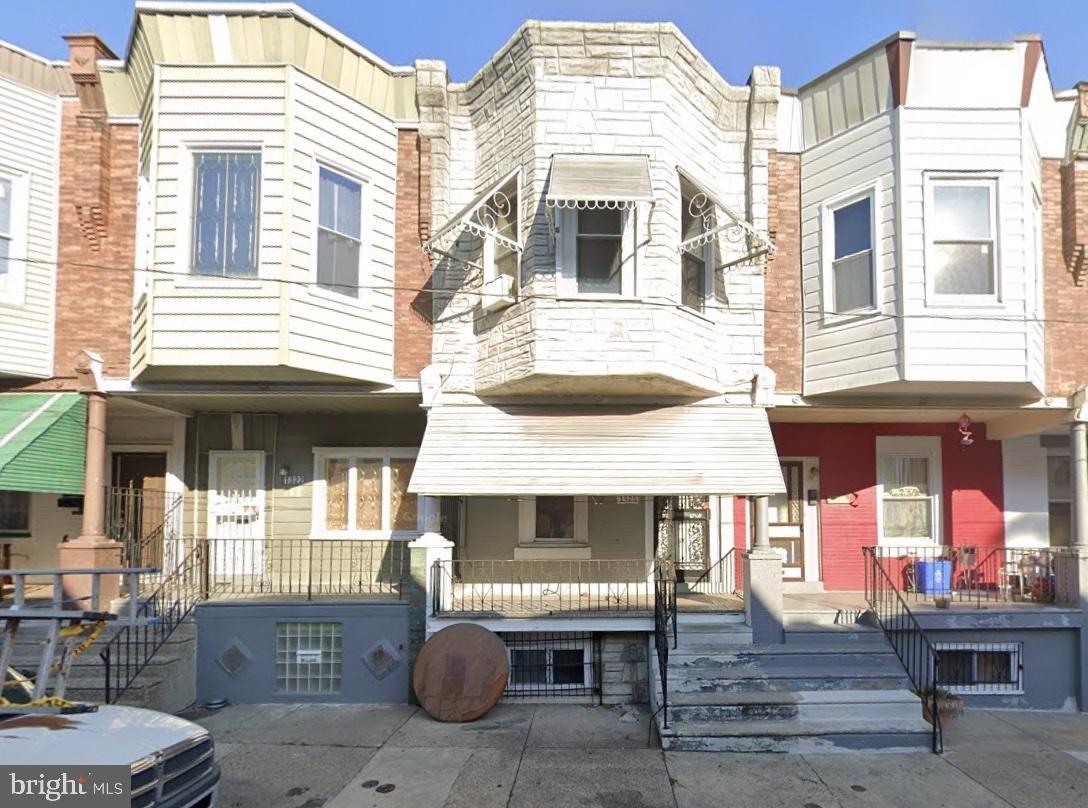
(552,550)
(986,302)
(365,535)
(833,318)
(347,301)
(216,282)
(599,298)
(910,544)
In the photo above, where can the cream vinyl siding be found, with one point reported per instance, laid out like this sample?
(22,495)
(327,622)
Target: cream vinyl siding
(971,143)
(29,144)
(278,326)
(850,96)
(859,349)
(529,450)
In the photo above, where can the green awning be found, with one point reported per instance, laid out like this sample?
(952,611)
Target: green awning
(43,442)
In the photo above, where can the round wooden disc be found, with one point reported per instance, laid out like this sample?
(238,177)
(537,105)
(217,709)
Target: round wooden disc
(460,673)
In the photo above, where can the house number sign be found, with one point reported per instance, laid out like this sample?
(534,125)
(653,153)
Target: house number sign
(627,499)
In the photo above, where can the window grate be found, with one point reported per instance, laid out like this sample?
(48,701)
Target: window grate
(308,657)
(980,667)
(546,664)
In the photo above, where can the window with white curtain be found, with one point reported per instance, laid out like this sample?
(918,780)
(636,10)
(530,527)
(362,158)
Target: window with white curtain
(961,223)
(908,489)
(339,232)
(226,203)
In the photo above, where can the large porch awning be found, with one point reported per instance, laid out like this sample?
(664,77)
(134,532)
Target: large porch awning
(43,442)
(524,450)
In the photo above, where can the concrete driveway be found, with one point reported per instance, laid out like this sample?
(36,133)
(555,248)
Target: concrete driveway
(524,756)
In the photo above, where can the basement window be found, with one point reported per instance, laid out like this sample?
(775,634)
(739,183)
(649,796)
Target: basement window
(980,668)
(551,664)
(308,657)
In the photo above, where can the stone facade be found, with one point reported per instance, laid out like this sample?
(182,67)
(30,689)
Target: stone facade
(605,89)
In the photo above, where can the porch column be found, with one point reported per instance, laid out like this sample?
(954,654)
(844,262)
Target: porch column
(1080,484)
(92,548)
(763,582)
(1079,540)
(430,547)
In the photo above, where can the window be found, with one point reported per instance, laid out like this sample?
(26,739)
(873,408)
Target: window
(339,233)
(980,667)
(695,284)
(14,513)
(550,664)
(308,657)
(7,234)
(960,222)
(225,210)
(552,520)
(13,235)
(1060,499)
(908,486)
(851,280)
(364,491)
(599,251)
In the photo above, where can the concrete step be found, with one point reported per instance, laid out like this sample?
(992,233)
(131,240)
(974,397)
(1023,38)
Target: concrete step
(811,706)
(774,650)
(854,634)
(905,735)
(693,620)
(775,664)
(821,617)
(755,681)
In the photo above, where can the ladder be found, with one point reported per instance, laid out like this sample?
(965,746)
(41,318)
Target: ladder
(72,626)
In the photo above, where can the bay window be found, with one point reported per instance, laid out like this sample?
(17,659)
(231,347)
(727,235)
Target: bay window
(695,285)
(7,235)
(961,223)
(14,201)
(226,198)
(849,234)
(363,493)
(599,251)
(908,490)
(339,232)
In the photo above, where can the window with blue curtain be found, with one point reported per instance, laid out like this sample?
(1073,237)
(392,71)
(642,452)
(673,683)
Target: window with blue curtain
(339,233)
(226,193)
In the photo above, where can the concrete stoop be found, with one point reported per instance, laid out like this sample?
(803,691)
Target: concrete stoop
(830,687)
(167,683)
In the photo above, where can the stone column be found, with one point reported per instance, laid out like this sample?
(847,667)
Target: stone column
(763,582)
(92,548)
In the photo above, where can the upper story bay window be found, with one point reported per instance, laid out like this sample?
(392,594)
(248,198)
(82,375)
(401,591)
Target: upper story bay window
(593,204)
(696,218)
(339,232)
(961,223)
(13,205)
(226,204)
(6,234)
(849,257)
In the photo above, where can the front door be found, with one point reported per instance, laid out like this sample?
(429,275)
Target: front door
(136,506)
(683,533)
(236,512)
(787,521)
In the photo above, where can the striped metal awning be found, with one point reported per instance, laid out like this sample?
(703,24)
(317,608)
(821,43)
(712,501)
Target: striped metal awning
(599,180)
(43,442)
(524,450)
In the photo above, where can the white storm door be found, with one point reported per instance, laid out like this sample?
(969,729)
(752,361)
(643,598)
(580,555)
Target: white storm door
(236,501)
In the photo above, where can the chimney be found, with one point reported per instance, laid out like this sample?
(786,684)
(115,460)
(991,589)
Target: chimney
(92,141)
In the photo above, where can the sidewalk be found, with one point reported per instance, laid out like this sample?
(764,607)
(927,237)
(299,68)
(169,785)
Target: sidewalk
(553,756)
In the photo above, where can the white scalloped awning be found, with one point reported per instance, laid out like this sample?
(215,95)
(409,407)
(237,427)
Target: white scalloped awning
(525,450)
(599,180)
(493,213)
(722,219)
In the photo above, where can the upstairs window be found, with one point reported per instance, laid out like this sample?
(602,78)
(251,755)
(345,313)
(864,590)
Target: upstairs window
(7,235)
(852,277)
(13,237)
(694,221)
(225,212)
(961,222)
(599,255)
(339,233)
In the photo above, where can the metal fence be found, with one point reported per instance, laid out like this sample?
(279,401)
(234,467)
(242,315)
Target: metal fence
(724,577)
(543,587)
(147,524)
(980,574)
(552,665)
(305,567)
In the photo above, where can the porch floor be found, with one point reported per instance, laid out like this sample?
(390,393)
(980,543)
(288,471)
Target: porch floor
(855,602)
(641,605)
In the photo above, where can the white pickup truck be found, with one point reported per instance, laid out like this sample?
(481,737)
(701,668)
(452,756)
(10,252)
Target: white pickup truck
(172,760)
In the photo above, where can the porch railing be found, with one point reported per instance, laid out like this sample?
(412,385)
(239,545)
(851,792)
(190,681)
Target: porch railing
(721,577)
(542,586)
(910,642)
(981,574)
(147,524)
(665,629)
(304,567)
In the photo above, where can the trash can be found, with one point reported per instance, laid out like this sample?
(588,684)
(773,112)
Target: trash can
(934,577)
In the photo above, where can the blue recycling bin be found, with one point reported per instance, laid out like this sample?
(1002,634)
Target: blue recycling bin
(934,577)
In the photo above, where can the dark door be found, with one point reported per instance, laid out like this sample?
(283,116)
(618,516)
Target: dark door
(136,507)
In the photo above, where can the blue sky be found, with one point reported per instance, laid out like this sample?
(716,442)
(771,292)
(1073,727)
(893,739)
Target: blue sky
(804,39)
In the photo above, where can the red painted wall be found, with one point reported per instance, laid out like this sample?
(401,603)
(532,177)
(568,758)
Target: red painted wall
(972,501)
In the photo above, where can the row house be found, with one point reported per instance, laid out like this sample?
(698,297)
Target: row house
(590,348)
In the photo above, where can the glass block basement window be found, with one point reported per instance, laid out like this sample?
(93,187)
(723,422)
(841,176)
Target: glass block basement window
(308,657)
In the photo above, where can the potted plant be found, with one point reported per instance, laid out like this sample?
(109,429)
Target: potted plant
(949,705)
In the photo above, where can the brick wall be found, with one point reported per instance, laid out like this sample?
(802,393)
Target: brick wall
(97,241)
(972,496)
(783,335)
(412,315)
(1066,294)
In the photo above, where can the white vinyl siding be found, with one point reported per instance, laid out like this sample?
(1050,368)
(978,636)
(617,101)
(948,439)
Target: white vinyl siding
(363,493)
(29,146)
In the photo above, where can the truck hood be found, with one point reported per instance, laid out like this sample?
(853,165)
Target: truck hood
(111,736)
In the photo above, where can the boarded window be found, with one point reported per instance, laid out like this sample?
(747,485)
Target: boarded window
(339,233)
(226,193)
(364,493)
(336,494)
(402,504)
(369,495)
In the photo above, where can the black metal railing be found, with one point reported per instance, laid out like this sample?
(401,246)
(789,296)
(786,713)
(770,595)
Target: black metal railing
(130,650)
(542,586)
(553,664)
(665,629)
(907,638)
(972,574)
(720,578)
(304,567)
(147,524)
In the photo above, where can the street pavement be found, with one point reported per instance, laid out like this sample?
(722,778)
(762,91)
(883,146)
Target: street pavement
(554,755)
